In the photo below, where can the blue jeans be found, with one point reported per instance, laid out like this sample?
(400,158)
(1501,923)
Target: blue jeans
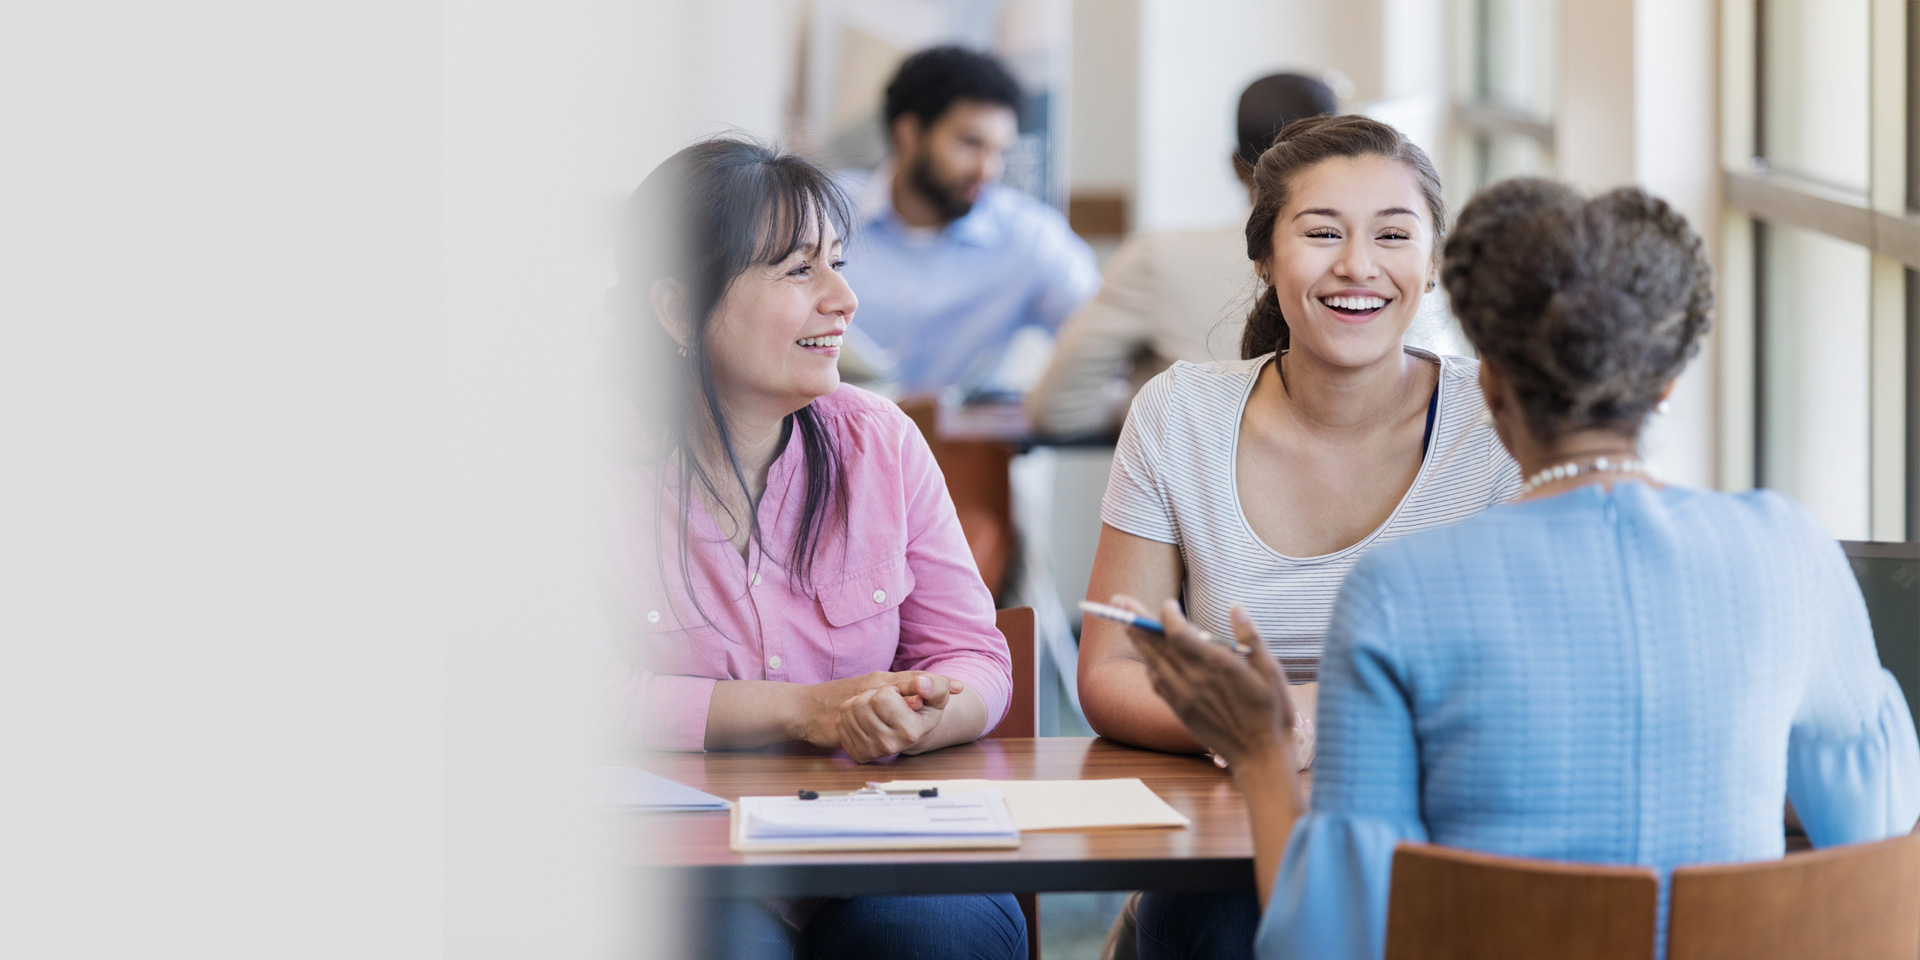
(1197,926)
(975,926)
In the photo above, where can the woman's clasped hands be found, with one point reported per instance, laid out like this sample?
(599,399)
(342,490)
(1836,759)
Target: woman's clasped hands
(877,714)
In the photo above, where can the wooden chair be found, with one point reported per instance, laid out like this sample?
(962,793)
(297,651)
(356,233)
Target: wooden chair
(1860,901)
(1447,904)
(1016,624)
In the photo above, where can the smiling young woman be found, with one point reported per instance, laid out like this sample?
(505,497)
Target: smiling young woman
(1263,481)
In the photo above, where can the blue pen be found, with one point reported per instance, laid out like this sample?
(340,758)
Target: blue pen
(1119,615)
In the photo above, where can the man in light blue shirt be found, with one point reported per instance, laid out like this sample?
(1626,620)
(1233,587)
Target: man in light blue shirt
(949,264)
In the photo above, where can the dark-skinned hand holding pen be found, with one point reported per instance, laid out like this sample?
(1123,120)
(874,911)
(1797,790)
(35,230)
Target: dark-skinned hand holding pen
(1238,708)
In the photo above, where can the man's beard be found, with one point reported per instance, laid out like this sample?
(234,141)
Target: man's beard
(953,204)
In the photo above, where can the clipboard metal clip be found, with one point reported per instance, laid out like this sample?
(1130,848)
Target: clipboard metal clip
(870,790)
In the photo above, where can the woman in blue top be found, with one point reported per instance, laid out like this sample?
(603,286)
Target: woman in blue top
(1608,669)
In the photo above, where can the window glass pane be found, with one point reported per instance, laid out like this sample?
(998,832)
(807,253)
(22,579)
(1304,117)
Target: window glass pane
(1515,156)
(1813,345)
(1517,54)
(1813,89)
(1484,158)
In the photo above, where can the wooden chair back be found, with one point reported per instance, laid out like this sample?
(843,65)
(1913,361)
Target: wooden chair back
(1447,904)
(1016,624)
(1860,901)
(982,490)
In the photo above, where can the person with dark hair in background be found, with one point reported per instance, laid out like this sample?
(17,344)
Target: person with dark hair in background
(1608,670)
(1167,295)
(1263,480)
(949,263)
(765,608)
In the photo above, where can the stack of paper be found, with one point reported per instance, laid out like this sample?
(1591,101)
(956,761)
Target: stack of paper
(1069,804)
(976,818)
(631,789)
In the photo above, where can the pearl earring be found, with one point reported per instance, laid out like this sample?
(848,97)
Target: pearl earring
(1663,407)
(683,351)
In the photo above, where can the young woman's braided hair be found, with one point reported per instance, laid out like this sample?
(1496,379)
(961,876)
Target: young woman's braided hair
(1587,307)
(1300,145)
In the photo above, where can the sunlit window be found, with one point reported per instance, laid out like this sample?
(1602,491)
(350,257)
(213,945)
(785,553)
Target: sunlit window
(1504,105)
(1814,90)
(1813,374)
(1819,181)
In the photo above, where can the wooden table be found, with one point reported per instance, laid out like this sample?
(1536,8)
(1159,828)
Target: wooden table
(1214,854)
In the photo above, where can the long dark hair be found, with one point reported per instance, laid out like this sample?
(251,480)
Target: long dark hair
(1300,145)
(1588,308)
(700,219)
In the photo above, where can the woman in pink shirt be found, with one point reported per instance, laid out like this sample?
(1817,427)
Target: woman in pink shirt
(801,574)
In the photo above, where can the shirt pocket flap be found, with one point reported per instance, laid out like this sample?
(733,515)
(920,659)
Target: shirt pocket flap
(874,591)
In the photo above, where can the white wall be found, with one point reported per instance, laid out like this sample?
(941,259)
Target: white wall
(1676,156)
(220,673)
(1394,53)
(1195,58)
(553,113)
(720,66)
(1638,105)
(1104,143)
(1594,133)
(302,558)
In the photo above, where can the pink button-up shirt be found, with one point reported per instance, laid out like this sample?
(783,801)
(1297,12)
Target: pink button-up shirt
(899,591)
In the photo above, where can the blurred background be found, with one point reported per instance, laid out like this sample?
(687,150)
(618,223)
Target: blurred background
(300,527)
(1780,128)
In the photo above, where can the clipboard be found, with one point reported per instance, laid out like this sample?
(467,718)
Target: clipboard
(739,842)
(1037,805)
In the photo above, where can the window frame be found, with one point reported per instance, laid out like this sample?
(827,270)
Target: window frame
(1880,221)
(1477,118)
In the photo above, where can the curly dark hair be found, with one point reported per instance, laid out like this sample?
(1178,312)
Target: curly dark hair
(1300,145)
(1589,308)
(931,81)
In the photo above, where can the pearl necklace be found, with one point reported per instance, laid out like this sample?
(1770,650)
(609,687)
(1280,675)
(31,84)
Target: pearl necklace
(1574,468)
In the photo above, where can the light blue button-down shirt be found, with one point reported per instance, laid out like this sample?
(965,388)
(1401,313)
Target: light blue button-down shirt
(945,303)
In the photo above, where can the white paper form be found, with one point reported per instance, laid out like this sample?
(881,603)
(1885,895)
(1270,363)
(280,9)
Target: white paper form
(980,813)
(1069,804)
(630,789)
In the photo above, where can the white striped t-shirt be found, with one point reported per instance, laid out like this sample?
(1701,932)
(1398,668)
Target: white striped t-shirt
(1173,481)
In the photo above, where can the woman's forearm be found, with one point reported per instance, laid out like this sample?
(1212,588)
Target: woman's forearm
(1272,794)
(1120,704)
(744,714)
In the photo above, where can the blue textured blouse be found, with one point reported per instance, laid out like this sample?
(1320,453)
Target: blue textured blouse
(1633,676)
